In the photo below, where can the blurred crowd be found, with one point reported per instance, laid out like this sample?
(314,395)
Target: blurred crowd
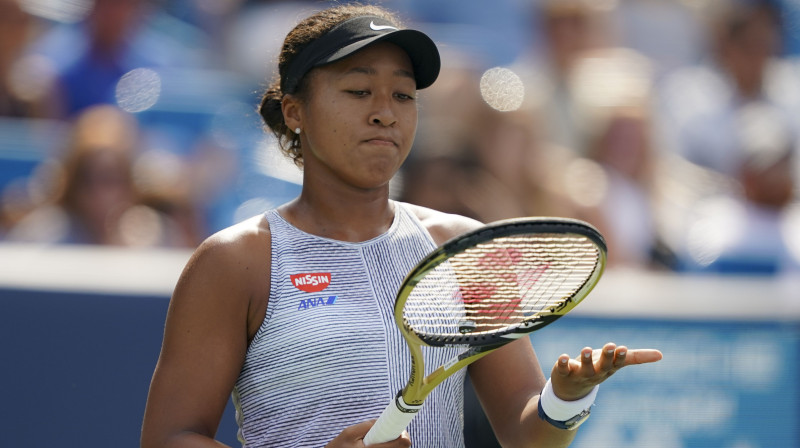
(671,125)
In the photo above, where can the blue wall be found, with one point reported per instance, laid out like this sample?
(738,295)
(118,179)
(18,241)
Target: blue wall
(76,369)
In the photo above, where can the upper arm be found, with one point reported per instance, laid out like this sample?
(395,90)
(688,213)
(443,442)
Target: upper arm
(205,338)
(505,381)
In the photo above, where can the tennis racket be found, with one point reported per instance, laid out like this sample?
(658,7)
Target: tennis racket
(484,289)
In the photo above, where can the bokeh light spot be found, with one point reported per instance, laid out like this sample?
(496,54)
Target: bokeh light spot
(138,90)
(502,89)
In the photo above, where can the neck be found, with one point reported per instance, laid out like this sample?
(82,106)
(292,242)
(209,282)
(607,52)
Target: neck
(352,216)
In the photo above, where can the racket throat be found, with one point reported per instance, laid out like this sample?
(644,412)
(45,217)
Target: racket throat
(404,407)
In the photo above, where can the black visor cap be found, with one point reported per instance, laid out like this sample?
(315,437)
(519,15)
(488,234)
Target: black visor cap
(357,33)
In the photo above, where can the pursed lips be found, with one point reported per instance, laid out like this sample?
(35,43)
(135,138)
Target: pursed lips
(383,141)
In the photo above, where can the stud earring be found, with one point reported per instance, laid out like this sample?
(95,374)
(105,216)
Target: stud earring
(297,131)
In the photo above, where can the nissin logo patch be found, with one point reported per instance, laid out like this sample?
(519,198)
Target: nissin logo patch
(313,303)
(313,282)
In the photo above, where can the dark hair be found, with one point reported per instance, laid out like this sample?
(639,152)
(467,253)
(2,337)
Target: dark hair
(298,39)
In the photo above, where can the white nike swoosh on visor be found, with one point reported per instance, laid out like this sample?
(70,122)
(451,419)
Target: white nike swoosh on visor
(380,27)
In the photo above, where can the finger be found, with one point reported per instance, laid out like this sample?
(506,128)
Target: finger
(606,362)
(620,357)
(642,356)
(404,440)
(358,430)
(562,365)
(587,364)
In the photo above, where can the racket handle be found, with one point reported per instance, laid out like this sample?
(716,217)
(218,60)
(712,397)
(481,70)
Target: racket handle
(392,422)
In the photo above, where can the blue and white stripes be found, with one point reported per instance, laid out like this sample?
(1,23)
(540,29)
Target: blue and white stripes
(325,360)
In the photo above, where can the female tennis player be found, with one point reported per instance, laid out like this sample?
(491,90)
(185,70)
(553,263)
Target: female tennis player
(292,311)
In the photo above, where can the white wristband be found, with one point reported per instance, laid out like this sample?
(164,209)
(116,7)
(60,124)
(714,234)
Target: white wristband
(562,410)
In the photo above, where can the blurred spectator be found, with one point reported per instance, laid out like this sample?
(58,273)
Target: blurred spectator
(701,103)
(485,163)
(116,36)
(569,29)
(612,94)
(172,76)
(17,29)
(623,146)
(755,229)
(733,121)
(95,199)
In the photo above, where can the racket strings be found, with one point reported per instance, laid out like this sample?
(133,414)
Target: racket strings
(500,284)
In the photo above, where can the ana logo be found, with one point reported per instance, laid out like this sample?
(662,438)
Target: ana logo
(313,303)
(381,27)
(312,282)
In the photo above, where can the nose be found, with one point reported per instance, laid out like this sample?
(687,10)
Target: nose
(383,120)
(382,113)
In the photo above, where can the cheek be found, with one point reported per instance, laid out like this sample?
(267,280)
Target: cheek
(335,118)
(410,125)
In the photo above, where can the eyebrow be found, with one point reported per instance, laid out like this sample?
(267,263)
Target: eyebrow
(371,71)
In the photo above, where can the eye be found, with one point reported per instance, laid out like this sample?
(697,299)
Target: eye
(404,96)
(358,93)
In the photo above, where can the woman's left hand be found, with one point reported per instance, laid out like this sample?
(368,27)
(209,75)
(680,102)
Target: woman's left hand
(573,379)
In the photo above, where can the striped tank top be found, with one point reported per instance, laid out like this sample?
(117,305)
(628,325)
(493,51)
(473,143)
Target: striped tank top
(328,354)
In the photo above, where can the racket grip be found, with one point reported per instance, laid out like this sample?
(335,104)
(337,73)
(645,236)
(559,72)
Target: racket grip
(392,422)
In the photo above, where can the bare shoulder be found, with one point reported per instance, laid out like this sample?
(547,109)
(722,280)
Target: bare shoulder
(240,236)
(231,264)
(242,244)
(443,226)
(230,271)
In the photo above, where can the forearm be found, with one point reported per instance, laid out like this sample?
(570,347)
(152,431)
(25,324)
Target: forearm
(532,432)
(539,433)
